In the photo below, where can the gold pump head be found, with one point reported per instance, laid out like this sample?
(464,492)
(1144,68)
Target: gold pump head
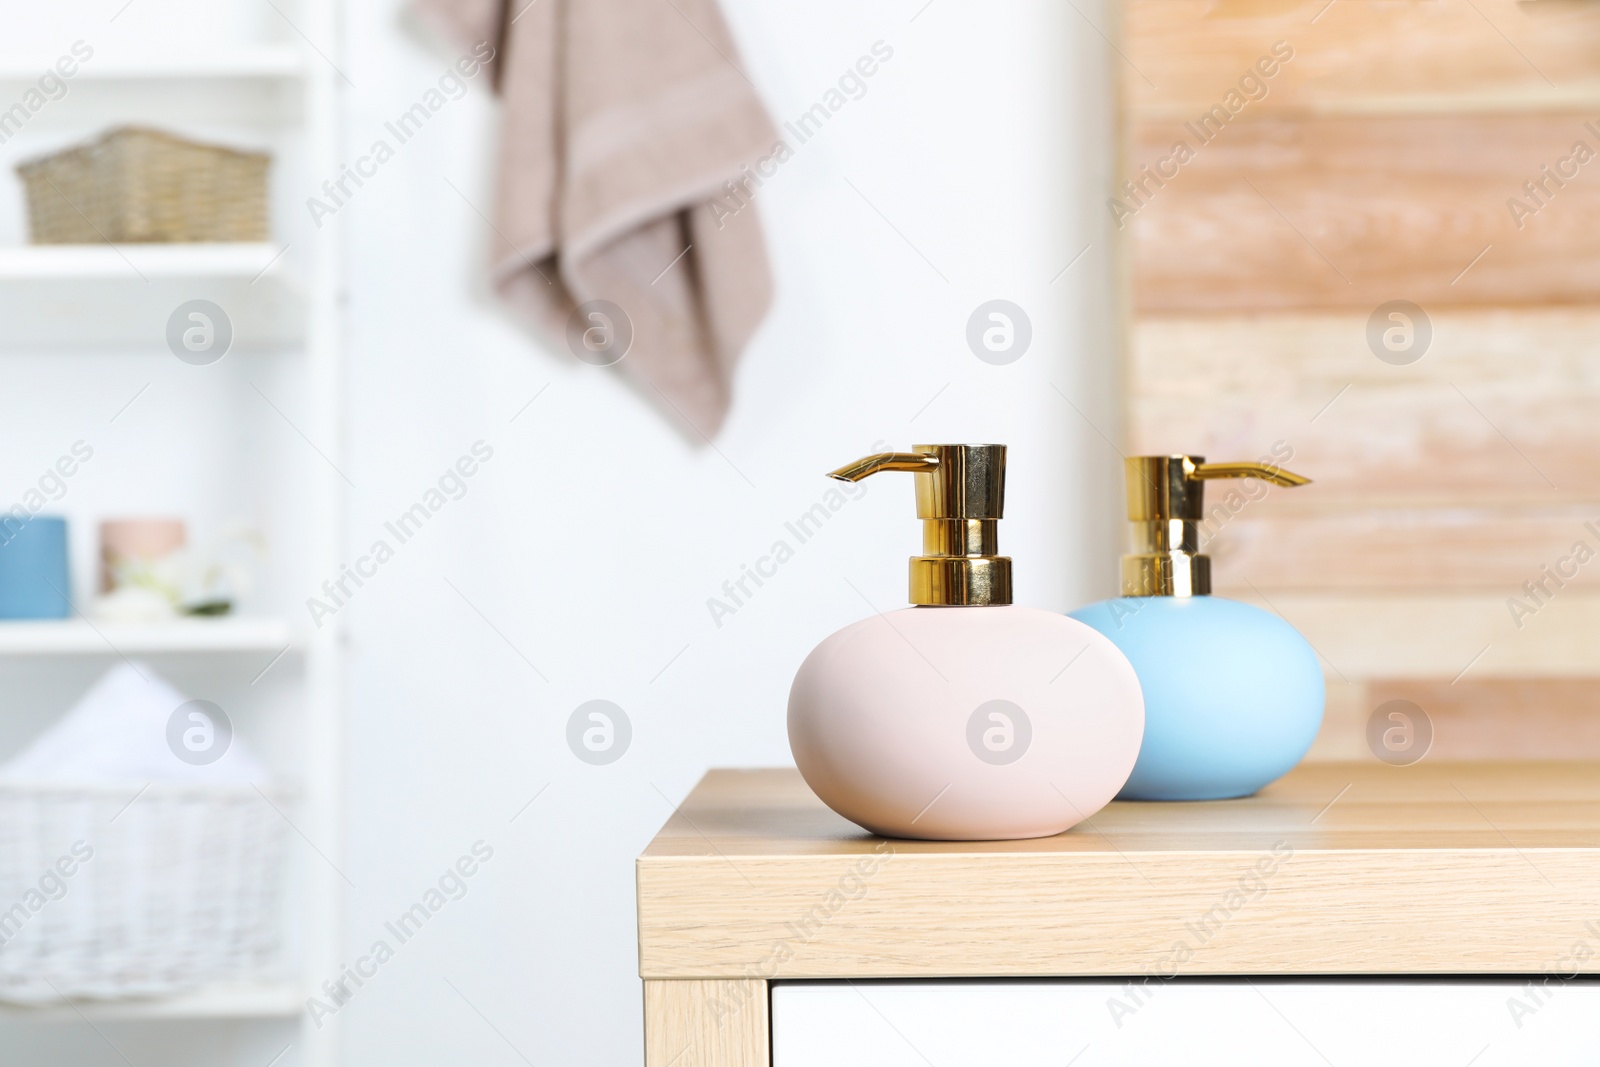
(961,491)
(1166,503)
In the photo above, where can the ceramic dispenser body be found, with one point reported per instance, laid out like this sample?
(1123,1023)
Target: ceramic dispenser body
(1233,694)
(966,717)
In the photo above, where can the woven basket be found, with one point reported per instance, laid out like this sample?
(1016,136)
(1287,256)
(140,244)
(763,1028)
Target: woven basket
(139,184)
(182,889)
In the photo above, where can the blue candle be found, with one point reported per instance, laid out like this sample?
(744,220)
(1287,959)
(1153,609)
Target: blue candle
(34,581)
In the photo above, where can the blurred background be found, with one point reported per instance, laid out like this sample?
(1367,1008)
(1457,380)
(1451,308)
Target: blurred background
(319,568)
(381,738)
(1378,255)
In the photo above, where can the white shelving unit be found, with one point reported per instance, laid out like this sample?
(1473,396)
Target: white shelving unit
(276,90)
(228,64)
(69,263)
(223,1002)
(82,637)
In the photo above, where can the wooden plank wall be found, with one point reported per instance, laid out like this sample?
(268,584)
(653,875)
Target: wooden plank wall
(1297,165)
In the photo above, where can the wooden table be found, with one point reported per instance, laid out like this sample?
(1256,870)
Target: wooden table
(1340,868)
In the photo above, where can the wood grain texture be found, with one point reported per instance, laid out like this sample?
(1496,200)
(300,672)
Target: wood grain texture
(690,1023)
(1343,736)
(1472,468)
(1186,54)
(1380,163)
(1442,636)
(1338,868)
(1504,718)
(1409,549)
(1473,718)
(1286,213)
(1500,405)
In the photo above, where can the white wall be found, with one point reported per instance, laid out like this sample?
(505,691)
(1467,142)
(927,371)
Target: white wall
(593,538)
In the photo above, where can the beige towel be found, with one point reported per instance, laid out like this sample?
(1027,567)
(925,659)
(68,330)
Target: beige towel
(624,121)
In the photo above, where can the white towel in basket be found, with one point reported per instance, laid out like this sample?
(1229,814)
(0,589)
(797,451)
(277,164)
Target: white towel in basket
(118,732)
(126,870)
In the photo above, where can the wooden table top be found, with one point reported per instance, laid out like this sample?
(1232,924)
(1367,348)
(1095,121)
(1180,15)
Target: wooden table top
(1337,868)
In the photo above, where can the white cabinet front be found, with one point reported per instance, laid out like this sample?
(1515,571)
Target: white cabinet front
(1193,1022)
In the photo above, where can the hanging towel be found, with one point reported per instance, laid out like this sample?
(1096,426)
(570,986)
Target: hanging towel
(627,130)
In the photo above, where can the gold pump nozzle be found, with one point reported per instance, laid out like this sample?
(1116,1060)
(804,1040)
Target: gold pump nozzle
(1166,503)
(960,494)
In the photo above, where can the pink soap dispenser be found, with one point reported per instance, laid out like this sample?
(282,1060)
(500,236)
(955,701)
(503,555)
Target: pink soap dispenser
(965,718)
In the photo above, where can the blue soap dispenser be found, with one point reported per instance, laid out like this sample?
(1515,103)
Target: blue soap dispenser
(1233,695)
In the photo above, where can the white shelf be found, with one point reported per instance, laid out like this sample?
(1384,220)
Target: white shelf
(138,262)
(218,1002)
(75,637)
(265,62)
(269,90)
(120,296)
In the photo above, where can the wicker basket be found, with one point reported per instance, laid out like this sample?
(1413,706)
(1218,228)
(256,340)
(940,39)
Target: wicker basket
(139,184)
(182,889)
